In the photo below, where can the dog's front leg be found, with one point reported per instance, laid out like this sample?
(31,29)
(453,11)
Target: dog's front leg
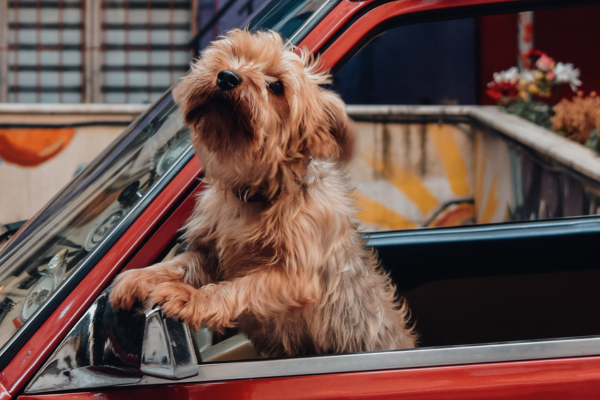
(135,285)
(266,294)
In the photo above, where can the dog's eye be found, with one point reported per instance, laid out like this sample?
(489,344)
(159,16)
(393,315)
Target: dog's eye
(276,87)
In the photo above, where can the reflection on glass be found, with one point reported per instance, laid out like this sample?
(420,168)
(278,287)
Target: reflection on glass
(285,17)
(41,290)
(84,215)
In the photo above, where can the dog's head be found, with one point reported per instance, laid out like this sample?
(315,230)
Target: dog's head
(258,112)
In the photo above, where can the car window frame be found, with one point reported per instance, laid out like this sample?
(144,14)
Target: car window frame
(388,360)
(419,357)
(386,15)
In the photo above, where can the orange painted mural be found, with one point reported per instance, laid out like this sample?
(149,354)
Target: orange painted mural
(31,147)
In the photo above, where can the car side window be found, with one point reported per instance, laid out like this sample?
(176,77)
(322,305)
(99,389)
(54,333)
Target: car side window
(476,121)
(473,130)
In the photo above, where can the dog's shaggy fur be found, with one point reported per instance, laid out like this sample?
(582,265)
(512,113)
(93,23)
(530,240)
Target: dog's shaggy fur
(290,271)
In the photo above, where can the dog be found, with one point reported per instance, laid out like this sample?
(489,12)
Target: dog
(272,243)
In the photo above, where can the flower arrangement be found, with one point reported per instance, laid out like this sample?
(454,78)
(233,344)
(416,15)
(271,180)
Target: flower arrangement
(541,74)
(505,86)
(530,92)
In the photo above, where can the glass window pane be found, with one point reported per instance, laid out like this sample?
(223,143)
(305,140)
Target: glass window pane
(73,229)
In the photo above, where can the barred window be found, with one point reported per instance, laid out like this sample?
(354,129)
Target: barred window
(144,48)
(45,51)
(110,51)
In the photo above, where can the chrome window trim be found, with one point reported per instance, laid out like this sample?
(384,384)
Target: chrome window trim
(313,20)
(387,360)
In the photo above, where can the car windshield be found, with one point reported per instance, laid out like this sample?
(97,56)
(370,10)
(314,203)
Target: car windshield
(290,17)
(77,221)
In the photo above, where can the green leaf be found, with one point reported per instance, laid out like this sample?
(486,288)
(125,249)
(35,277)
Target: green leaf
(594,141)
(538,113)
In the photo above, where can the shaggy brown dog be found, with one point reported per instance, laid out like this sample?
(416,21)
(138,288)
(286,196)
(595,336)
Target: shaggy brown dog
(272,242)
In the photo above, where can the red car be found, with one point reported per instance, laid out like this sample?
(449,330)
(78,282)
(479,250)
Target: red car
(504,311)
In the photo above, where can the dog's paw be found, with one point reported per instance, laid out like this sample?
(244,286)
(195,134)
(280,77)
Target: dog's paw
(129,288)
(181,301)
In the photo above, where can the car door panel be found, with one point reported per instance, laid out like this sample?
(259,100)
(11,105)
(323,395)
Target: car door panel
(575,378)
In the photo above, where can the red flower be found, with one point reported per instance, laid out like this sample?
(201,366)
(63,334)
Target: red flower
(530,58)
(503,89)
(545,63)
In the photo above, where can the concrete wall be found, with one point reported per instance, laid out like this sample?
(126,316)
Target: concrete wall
(434,166)
(414,166)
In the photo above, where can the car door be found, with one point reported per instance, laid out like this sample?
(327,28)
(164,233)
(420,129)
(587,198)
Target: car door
(524,369)
(554,368)
(459,282)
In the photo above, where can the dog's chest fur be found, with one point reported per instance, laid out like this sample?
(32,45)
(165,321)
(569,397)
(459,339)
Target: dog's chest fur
(244,236)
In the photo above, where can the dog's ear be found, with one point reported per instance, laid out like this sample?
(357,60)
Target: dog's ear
(335,138)
(331,132)
(341,127)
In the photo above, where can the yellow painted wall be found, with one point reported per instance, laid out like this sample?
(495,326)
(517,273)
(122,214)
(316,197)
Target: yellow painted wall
(413,175)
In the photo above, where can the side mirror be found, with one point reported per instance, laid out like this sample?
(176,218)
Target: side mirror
(107,348)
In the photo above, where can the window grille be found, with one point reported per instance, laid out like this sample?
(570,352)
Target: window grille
(45,47)
(73,51)
(144,48)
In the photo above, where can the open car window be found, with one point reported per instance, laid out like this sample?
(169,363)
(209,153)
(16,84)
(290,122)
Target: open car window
(441,145)
(487,125)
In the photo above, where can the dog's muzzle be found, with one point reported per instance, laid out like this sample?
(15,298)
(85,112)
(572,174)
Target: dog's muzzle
(227,80)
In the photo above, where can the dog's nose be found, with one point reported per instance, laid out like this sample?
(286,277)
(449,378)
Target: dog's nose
(227,80)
